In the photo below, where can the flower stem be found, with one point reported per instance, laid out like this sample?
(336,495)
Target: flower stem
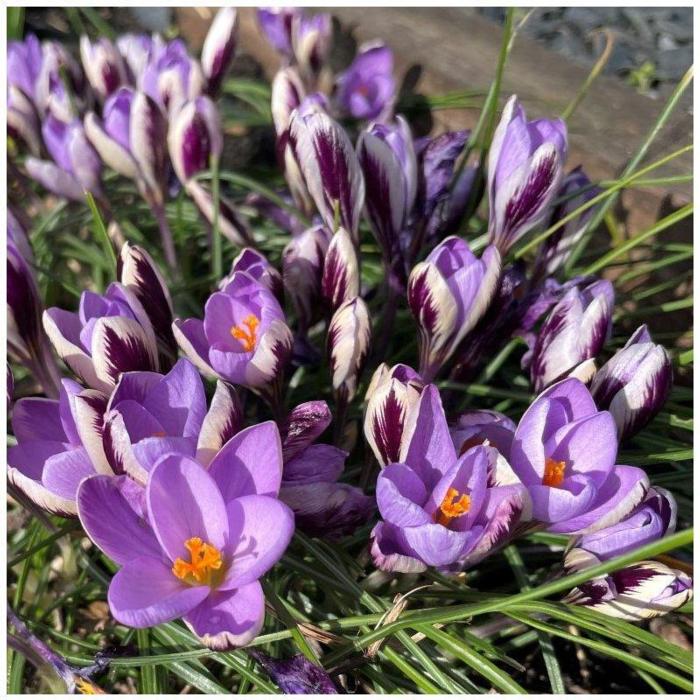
(217,267)
(166,236)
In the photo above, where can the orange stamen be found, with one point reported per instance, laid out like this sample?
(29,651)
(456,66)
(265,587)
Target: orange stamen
(205,559)
(246,332)
(553,473)
(453,505)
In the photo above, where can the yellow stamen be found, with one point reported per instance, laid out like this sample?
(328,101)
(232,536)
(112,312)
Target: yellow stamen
(553,473)
(205,559)
(246,332)
(86,687)
(159,433)
(453,505)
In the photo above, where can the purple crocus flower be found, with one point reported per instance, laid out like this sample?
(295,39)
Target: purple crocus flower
(103,65)
(276,23)
(652,519)
(297,675)
(194,545)
(391,396)
(259,268)
(388,163)
(56,443)
(22,120)
(110,334)
(149,414)
(638,592)
(564,451)
(311,42)
(439,509)
(137,51)
(367,89)
(219,48)
(634,384)
(340,281)
(75,167)
(60,84)
(243,338)
(480,427)
(525,169)
(573,334)
(287,94)
(24,61)
(447,294)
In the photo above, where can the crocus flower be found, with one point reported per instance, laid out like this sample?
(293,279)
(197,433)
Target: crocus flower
(436,507)
(75,167)
(448,293)
(276,23)
(391,395)
(330,169)
(311,42)
(149,414)
(24,60)
(259,268)
(575,191)
(573,334)
(525,170)
(652,519)
(195,545)
(481,427)
(243,338)
(349,334)
(137,50)
(638,592)
(302,267)
(287,93)
(103,65)
(297,675)
(22,120)
(564,451)
(219,47)
(367,88)
(56,443)
(60,84)
(340,281)
(634,384)
(110,334)
(388,163)
(302,426)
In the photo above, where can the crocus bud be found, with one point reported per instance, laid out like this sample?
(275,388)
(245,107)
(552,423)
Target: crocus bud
(103,65)
(287,94)
(573,334)
(349,334)
(388,163)
(24,60)
(367,88)
(224,419)
(341,271)
(302,267)
(259,268)
(219,47)
(391,395)
(276,23)
(448,293)
(110,334)
(137,50)
(638,592)
(22,120)
(330,169)
(303,425)
(60,84)
(525,169)
(555,250)
(634,383)
(195,138)
(296,676)
(311,42)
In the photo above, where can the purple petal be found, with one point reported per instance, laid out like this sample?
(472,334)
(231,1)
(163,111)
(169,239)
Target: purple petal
(63,472)
(315,463)
(401,496)
(303,425)
(223,420)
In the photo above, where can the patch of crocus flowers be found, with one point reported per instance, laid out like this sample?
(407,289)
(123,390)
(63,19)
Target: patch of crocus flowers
(192,499)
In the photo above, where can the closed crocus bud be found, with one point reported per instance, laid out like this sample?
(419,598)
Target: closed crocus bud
(303,425)
(110,334)
(103,65)
(75,169)
(302,267)
(349,334)
(367,88)
(447,294)
(574,192)
(388,163)
(634,383)
(24,60)
(219,47)
(60,84)
(573,334)
(652,519)
(259,268)
(391,395)
(287,94)
(243,338)
(136,50)
(341,271)
(311,42)
(22,120)
(639,592)
(330,169)
(276,23)
(525,170)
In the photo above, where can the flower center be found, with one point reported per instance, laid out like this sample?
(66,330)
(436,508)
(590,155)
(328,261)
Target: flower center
(553,473)
(204,561)
(247,332)
(453,505)
(469,443)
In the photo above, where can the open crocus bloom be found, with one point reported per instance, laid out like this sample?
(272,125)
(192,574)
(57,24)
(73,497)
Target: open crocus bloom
(564,451)
(439,509)
(56,440)
(243,338)
(193,545)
